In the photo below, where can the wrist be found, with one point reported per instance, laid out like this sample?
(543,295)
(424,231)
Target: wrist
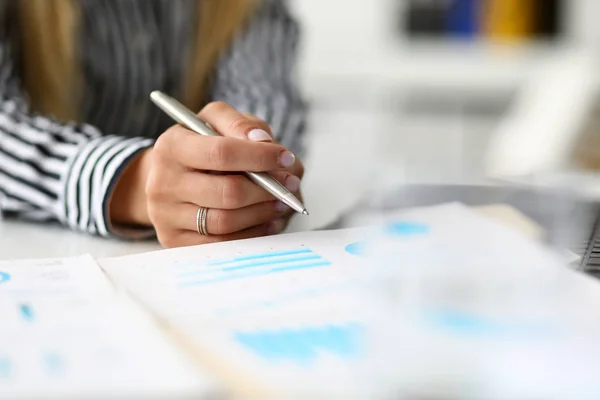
(128,200)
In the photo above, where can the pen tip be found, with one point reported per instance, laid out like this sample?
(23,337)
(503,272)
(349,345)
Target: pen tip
(305,212)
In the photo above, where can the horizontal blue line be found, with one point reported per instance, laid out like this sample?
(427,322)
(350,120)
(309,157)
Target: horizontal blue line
(251,265)
(293,267)
(259,256)
(255,273)
(271,262)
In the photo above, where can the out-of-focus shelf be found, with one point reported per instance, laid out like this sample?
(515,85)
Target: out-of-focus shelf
(470,65)
(429,64)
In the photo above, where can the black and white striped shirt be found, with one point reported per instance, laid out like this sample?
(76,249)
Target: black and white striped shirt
(51,171)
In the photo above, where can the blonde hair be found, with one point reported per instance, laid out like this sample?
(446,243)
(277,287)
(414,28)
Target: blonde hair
(53,78)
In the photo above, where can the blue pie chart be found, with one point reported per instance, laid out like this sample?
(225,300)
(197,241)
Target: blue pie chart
(394,229)
(356,249)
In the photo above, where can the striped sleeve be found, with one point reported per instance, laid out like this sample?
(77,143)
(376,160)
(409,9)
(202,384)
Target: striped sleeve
(257,74)
(51,171)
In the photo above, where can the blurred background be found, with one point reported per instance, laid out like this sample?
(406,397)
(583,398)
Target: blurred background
(447,90)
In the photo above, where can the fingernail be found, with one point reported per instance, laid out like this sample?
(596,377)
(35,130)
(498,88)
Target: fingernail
(287,159)
(275,227)
(258,135)
(292,183)
(281,207)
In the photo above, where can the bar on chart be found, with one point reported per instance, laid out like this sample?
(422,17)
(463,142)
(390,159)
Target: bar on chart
(303,345)
(4,277)
(26,312)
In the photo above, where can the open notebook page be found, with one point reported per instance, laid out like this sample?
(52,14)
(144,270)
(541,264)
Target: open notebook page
(65,332)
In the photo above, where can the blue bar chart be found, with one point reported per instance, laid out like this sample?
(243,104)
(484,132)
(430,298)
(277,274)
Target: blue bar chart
(303,345)
(249,266)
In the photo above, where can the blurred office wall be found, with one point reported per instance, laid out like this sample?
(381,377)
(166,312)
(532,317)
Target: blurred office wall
(452,89)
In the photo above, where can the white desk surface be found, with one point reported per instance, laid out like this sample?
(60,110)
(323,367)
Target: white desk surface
(27,240)
(23,240)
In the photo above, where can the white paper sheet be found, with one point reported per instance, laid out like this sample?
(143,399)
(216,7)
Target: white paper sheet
(238,300)
(314,314)
(66,333)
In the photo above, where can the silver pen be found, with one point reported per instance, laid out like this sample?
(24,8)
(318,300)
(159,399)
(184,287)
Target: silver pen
(188,119)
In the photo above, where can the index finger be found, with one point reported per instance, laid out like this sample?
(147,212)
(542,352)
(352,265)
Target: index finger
(227,153)
(228,121)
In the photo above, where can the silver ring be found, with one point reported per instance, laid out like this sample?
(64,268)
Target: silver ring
(201,218)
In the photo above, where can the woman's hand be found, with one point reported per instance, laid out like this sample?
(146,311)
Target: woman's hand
(165,185)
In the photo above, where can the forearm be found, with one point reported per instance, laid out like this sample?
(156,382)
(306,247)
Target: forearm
(128,204)
(53,171)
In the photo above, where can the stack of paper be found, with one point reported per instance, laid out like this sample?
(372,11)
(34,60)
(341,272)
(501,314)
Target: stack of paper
(439,302)
(66,333)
